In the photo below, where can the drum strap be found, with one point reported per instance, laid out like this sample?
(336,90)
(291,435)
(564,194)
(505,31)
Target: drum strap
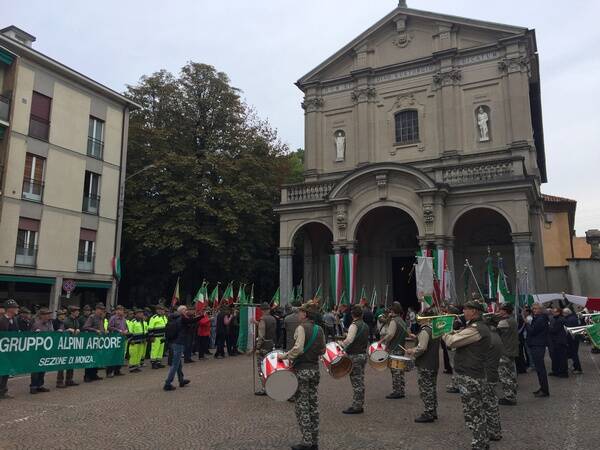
(311,341)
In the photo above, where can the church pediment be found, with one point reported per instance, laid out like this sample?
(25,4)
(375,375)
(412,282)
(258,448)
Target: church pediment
(407,35)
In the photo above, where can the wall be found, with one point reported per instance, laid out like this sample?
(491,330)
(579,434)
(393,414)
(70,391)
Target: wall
(556,237)
(581,248)
(585,277)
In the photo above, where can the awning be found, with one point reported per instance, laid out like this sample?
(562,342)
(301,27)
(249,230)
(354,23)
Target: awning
(92,284)
(24,279)
(6,57)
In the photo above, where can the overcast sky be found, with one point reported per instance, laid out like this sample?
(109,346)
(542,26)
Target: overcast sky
(266,45)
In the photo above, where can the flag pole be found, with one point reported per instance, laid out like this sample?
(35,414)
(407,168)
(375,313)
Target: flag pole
(470,267)
(254,361)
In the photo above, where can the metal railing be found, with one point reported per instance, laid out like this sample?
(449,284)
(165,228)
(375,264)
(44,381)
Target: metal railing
(85,262)
(91,203)
(32,190)
(26,255)
(4,108)
(95,148)
(39,128)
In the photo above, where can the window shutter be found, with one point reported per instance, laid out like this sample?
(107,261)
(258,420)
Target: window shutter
(29,224)
(87,235)
(38,174)
(28,164)
(40,106)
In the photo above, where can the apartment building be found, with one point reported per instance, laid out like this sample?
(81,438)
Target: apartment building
(63,149)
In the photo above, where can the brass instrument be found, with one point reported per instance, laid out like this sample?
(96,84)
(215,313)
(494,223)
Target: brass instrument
(425,318)
(577,330)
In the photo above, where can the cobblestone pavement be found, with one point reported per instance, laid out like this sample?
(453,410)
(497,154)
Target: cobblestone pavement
(219,411)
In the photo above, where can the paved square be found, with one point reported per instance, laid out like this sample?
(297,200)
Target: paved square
(219,411)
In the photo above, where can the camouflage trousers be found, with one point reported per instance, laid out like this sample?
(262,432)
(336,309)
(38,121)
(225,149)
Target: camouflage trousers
(398,382)
(427,382)
(260,355)
(508,378)
(491,411)
(357,379)
(471,393)
(307,405)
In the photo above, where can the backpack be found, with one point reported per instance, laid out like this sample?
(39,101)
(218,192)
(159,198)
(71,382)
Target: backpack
(172,330)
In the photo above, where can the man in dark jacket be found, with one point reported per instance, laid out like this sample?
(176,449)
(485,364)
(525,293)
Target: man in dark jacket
(572,320)
(24,319)
(558,340)
(8,322)
(537,339)
(181,321)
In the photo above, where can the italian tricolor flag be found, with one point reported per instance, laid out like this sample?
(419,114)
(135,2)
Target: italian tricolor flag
(350,272)
(176,297)
(247,333)
(439,271)
(337,274)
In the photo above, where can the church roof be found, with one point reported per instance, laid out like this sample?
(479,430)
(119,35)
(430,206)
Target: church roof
(511,29)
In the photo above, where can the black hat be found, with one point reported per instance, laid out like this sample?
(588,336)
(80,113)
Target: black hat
(474,304)
(507,307)
(99,306)
(43,310)
(10,303)
(24,310)
(73,308)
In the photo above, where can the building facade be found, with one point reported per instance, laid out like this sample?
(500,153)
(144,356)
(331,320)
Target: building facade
(63,150)
(423,132)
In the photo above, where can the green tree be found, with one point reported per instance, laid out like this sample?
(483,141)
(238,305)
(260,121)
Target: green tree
(205,210)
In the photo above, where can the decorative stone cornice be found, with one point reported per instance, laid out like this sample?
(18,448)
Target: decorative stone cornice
(447,78)
(363,94)
(312,104)
(516,64)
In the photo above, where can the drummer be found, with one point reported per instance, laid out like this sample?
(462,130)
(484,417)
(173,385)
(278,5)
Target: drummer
(395,337)
(355,345)
(427,360)
(309,344)
(267,334)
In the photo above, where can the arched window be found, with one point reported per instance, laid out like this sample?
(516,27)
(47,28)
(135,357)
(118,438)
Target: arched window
(407,126)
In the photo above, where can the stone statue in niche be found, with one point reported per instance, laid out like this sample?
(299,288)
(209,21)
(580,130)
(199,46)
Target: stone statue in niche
(340,145)
(482,122)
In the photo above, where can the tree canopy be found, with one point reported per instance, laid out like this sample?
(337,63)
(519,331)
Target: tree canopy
(204,207)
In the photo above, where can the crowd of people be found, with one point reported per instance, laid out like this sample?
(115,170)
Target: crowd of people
(484,349)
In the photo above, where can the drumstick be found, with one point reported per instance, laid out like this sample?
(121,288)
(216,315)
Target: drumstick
(402,348)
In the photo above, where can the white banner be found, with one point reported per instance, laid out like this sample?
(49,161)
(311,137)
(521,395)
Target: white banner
(424,273)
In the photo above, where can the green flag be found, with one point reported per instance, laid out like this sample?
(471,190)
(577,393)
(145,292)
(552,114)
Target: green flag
(299,293)
(228,294)
(242,295)
(344,299)
(374,297)
(362,298)
(594,334)
(214,296)
(318,294)
(201,294)
(441,325)
(595,318)
(276,300)
(491,285)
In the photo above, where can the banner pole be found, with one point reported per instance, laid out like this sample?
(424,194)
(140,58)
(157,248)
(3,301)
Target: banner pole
(474,278)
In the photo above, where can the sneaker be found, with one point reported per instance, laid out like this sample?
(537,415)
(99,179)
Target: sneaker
(43,389)
(353,410)
(184,383)
(169,387)
(507,402)
(424,418)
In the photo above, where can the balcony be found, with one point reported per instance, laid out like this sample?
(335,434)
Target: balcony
(306,192)
(32,190)
(85,262)
(95,148)
(26,256)
(4,108)
(91,203)
(39,128)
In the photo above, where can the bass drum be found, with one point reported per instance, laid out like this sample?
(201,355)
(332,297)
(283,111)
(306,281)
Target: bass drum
(278,377)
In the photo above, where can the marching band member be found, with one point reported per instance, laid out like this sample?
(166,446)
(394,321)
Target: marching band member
(267,334)
(509,333)
(309,344)
(490,398)
(427,360)
(355,346)
(394,338)
(472,344)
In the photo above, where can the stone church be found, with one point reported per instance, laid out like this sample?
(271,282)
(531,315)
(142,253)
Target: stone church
(425,131)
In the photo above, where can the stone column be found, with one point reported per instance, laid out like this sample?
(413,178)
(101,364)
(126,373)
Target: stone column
(55,293)
(285,273)
(312,105)
(309,265)
(523,247)
(592,237)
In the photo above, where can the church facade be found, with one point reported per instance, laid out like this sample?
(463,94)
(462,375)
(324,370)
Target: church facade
(423,132)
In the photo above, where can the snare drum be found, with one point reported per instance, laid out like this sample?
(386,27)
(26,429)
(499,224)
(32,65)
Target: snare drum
(403,363)
(378,356)
(278,377)
(336,361)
